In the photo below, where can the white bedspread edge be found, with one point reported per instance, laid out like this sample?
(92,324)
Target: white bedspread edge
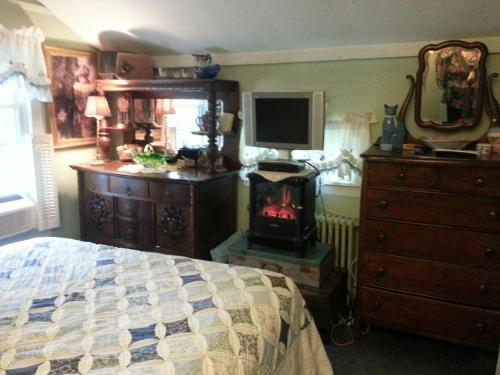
(307,355)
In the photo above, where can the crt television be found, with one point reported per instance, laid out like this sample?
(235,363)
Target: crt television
(284,120)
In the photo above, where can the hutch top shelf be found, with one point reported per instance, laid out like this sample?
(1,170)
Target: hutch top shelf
(211,90)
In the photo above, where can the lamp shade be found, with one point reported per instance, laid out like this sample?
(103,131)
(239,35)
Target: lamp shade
(97,106)
(164,107)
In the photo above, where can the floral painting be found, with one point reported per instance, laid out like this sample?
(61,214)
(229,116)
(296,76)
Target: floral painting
(73,78)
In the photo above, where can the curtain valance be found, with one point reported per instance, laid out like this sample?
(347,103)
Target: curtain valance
(22,64)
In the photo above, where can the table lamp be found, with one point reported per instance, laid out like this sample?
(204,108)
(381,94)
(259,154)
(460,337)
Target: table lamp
(97,107)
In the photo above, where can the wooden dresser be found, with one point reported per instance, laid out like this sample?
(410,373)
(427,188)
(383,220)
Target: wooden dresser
(429,259)
(185,213)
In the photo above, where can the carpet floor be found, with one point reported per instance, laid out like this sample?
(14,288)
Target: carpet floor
(388,352)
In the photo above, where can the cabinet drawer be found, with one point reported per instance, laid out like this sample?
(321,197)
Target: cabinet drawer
(128,186)
(433,243)
(96,182)
(453,283)
(402,175)
(433,208)
(170,192)
(476,326)
(471,180)
(135,234)
(133,209)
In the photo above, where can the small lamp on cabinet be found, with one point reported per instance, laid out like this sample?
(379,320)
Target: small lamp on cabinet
(97,107)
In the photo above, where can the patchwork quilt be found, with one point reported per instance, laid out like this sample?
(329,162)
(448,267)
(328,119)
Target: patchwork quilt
(72,307)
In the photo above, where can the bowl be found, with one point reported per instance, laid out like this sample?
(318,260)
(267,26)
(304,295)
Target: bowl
(445,142)
(210,71)
(149,159)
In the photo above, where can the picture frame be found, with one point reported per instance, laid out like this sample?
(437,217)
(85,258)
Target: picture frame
(73,75)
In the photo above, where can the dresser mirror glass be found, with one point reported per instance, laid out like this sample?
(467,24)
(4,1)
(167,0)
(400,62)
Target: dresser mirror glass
(450,85)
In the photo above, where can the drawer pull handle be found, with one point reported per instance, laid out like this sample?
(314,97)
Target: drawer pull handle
(493,215)
(480,327)
(376,306)
(381,271)
(402,176)
(128,190)
(383,204)
(483,288)
(380,237)
(479,182)
(489,252)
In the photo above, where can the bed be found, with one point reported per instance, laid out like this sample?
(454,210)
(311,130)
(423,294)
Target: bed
(72,307)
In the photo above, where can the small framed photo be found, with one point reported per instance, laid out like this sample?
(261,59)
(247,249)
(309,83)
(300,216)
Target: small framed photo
(73,75)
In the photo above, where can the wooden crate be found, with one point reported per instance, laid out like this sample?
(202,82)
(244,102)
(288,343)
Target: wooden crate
(312,270)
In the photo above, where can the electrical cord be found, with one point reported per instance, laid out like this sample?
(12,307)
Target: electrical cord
(319,193)
(349,320)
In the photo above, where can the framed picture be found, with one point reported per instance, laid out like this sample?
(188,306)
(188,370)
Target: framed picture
(73,74)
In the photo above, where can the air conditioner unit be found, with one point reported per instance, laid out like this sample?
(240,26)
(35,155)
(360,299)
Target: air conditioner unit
(17,215)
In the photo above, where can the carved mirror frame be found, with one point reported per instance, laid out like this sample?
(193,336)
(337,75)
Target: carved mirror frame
(481,92)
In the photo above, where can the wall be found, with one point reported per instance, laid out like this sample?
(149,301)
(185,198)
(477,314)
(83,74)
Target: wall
(356,86)
(351,86)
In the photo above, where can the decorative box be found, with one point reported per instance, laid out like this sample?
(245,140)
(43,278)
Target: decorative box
(312,270)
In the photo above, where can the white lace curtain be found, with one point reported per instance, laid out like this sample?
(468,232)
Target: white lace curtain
(22,65)
(347,135)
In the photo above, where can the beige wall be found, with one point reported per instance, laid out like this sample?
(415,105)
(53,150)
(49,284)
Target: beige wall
(351,86)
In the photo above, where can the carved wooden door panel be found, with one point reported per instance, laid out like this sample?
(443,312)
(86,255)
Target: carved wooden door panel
(174,228)
(99,214)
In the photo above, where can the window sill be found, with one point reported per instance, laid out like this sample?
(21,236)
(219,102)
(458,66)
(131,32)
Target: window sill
(346,191)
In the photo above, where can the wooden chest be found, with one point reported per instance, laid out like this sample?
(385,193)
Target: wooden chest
(312,270)
(429,246)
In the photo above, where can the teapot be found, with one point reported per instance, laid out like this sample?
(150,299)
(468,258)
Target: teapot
(202,122)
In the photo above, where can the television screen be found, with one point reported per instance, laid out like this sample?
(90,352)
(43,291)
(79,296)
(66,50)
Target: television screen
(284,120)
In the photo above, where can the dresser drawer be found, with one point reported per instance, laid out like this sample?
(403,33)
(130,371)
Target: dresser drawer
(471,180)
(433,208)
(440,280)
(402,175)
(135,234)
(170,192)
(133,209)
(476,326)
(128,186)
(432,243)
(96,182)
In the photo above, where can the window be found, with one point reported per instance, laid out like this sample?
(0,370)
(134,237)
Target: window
(16,160)
(347,135)
(181,127)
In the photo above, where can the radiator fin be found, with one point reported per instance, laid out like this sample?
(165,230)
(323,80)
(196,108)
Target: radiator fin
(341,232)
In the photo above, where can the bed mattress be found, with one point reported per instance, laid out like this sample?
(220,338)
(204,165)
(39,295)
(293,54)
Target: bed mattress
(72,307)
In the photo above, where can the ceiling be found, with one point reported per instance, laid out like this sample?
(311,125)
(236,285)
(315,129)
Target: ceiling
(165,27)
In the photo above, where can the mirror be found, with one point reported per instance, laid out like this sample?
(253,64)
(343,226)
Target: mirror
(450,85)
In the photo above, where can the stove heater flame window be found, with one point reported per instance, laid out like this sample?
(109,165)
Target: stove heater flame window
(281,214)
